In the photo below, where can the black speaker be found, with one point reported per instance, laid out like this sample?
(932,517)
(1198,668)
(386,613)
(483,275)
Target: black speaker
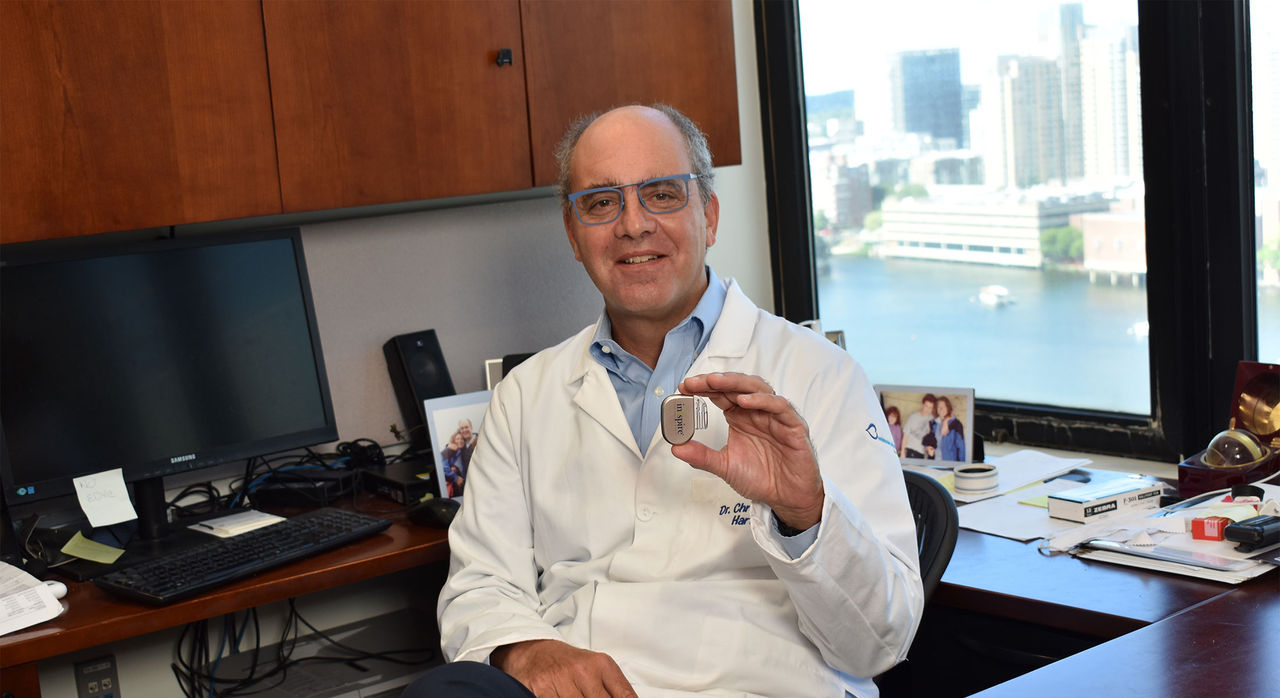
(418,373)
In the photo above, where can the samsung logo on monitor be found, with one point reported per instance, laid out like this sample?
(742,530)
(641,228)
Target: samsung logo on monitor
(182,459)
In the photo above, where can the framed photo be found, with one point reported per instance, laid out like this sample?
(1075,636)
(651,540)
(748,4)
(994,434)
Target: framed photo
(454,423)
(930,426)
(492,372)
(836,337)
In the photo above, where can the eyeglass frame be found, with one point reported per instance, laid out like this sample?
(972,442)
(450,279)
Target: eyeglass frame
(622,196)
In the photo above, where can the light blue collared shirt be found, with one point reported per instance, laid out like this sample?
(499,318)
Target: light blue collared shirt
(640,389)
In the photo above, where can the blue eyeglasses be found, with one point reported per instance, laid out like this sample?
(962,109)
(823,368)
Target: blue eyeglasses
(658,195)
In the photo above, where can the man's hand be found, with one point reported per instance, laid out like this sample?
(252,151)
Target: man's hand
(768,456)
(555,669)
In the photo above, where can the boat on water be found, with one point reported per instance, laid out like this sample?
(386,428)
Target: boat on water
(994,296)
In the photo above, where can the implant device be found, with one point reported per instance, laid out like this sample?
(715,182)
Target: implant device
(681,416)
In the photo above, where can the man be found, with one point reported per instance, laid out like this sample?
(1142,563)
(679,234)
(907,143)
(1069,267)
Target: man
(918,424)
(468,443)
(772,555)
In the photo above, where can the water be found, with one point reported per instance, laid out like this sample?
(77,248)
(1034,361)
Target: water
(1062,341)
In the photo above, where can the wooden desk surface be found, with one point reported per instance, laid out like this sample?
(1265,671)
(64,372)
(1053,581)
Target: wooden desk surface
(94,617)
(1223,647)
(1009,579)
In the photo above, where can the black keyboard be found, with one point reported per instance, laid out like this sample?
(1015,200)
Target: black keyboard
(205,565)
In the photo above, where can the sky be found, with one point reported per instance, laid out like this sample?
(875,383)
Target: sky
(840,37)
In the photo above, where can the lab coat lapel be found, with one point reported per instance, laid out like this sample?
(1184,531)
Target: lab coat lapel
(596,397)
(731,336)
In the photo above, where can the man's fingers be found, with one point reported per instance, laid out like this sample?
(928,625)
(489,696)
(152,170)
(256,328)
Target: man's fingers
(725,383)
(700,456)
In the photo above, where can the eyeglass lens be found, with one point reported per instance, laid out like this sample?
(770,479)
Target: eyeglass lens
(658,196)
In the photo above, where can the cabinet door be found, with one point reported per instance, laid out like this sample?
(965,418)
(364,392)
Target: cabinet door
(585,56)
(389,101)
(124,115)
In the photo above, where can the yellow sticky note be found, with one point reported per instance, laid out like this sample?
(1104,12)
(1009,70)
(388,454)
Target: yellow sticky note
(1042,501)
(91,550)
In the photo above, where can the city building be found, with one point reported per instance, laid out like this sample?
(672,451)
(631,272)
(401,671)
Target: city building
(928,98)
(981,228)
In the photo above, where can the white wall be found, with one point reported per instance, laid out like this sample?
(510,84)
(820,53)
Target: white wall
(491,279)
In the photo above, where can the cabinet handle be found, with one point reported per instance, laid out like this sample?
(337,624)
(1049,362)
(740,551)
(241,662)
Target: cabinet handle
(505,57)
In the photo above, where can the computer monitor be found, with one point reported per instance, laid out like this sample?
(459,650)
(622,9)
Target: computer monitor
(156,358)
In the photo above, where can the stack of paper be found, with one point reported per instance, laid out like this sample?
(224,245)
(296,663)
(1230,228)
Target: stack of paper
(235,524)
(24,600)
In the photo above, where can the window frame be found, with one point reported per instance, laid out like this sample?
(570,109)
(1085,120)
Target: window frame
(1198,167)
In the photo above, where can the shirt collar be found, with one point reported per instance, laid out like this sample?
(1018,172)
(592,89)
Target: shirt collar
(701,321)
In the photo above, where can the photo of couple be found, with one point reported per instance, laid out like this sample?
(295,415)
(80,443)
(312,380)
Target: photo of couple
(455,422)
(456,456)
(936,427)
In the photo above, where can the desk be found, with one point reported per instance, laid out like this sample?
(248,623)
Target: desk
(1140,633)
(94,617)
(1225,646)
(1163,625)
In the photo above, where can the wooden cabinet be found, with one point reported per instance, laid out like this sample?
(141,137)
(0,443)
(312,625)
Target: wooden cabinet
(126,115)
(388,101)
(584,56)
(131,115)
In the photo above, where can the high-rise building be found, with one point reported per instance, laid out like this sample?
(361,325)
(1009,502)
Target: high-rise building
(928,98)
(1111,127)
(1074,112)
(1030,114)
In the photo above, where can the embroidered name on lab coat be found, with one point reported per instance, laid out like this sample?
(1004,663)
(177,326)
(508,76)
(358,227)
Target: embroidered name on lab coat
(738,511)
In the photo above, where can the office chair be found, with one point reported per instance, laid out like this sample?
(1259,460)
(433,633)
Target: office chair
(937,525)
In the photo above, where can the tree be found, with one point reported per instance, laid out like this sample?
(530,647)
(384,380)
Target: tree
(820,221)
(1062,245)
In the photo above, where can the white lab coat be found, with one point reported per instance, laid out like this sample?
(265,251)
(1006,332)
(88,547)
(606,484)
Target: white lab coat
(568,531)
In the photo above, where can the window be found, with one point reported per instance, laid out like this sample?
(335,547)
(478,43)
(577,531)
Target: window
(1265,65)
(1018,124)
(1075,162)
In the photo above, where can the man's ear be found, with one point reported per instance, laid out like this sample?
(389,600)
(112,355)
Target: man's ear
(568,230)
(712,213)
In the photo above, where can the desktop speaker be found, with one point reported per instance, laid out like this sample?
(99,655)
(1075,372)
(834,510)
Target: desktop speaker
(418,373)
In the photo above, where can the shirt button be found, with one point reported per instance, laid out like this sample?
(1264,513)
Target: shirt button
(658,391)
(644,513)
(606,349)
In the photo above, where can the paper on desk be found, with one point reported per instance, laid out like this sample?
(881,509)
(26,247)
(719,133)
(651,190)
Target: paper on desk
(235,524)
(1150,532)
(104,498)
(1017,469)
(24,600)
(1230,577)
(1006,516)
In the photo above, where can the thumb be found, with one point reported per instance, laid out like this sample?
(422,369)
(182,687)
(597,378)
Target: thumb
(700,456)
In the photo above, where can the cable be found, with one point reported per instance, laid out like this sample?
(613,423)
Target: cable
(195,667)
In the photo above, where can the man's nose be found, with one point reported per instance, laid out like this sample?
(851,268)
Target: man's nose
(635,220)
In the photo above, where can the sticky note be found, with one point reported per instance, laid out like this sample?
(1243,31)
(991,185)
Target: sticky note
(91,550)
(1041,501)
(104,498)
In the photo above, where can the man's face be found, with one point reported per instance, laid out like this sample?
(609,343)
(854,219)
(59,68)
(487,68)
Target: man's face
(647,266)
(464,429)
(926,407)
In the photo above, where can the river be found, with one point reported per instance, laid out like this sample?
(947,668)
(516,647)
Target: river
(1062,340)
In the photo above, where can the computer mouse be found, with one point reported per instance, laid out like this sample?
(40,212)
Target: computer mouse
(436,512)
(58,588)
